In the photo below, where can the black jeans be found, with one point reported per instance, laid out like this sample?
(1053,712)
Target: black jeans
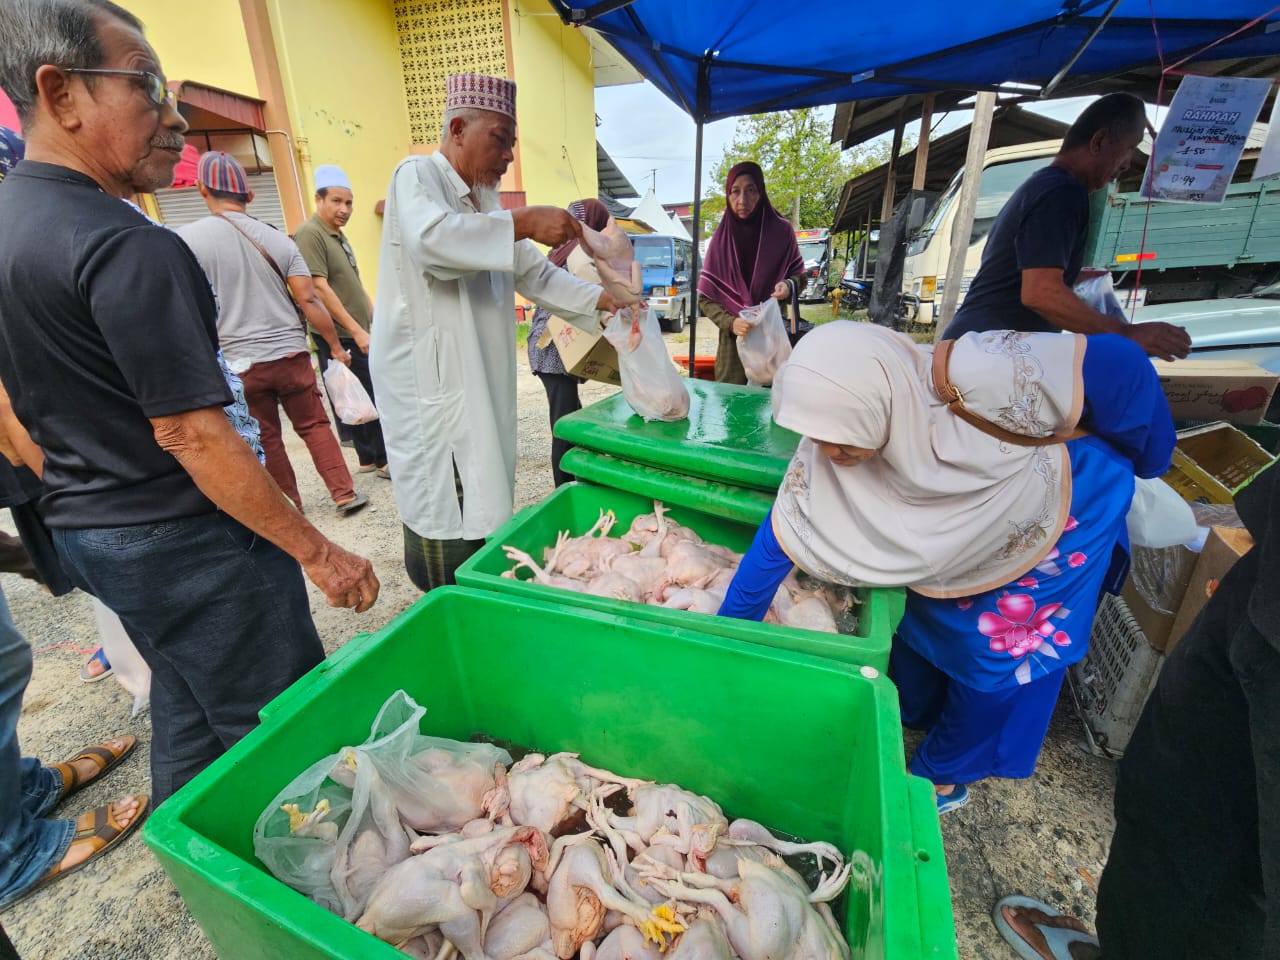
(367,437)
(562,398)
(1194,869)
(221,617)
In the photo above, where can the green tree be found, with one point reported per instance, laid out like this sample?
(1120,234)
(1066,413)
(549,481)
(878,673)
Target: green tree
(803,171)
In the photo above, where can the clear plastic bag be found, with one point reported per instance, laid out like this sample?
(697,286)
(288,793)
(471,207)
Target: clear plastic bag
(349,817)
(1099,292)
(351,401)
(127,665)
(765,347)
(1157,572)
(650,382)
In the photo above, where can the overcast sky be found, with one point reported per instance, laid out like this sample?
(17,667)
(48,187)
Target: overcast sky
(650,138)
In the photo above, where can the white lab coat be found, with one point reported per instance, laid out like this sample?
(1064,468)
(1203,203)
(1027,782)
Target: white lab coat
(443,353)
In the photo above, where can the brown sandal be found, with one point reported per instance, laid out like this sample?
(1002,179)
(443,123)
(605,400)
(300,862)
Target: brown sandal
(104,833)
(101,754)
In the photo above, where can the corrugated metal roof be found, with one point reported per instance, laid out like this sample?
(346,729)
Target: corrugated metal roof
(612,181)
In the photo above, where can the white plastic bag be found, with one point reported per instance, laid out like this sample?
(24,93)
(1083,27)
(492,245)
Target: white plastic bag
(350,399)
(1099,293)
(650,382)
(127,664)
(1158,517)
(765,347)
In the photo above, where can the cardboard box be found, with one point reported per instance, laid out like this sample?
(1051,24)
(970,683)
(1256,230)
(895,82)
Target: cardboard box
(1171,566)
(1223,548)
(1229,390)
(584,354)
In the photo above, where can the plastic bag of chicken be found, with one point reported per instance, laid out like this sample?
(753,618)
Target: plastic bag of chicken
(346,820)
(650,382)
(765,347)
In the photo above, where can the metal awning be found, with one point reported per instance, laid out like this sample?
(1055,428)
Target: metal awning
(209,108)
(613,183)
(864,193)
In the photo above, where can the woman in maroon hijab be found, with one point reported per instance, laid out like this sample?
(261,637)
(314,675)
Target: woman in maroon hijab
(751,256)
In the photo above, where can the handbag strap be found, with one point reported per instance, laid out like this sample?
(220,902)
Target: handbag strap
(275,267)
(954,400)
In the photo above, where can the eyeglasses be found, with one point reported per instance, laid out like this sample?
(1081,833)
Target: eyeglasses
(155,89)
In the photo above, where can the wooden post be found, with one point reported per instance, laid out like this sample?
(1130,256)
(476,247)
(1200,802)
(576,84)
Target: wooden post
(967,202)
(891,180)
(922,144)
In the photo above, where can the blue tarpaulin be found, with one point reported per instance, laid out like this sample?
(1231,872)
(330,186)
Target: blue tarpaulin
(754,56)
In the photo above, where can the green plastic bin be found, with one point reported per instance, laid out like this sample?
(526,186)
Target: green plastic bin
(576,506)
(740,504)
(729,435)
(807,746)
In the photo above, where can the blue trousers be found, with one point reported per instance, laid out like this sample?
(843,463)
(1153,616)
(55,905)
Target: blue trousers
(29,845)
(220,616)
(972,734)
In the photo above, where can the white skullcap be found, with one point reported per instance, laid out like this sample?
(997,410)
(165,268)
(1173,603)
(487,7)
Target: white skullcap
(331,176)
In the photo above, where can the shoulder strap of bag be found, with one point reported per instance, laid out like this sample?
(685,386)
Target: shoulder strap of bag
(271,261)
(955,403)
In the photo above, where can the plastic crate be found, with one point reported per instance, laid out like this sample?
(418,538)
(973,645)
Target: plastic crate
(740,504)
(576,507)
(1111,684)
(807,746)
(1214,461)
(728,437)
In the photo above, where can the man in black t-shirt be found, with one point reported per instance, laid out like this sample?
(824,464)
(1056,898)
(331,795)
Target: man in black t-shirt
(108,351)
(1036,245)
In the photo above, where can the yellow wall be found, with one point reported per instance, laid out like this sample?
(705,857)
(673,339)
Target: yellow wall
(206,44)
(555,103)
(341,67)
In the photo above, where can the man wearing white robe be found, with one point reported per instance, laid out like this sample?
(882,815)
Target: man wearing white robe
(442,347)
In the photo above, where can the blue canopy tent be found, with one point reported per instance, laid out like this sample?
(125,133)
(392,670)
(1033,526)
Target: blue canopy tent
(735,57)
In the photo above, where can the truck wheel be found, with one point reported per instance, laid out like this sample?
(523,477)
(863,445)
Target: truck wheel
(677,324)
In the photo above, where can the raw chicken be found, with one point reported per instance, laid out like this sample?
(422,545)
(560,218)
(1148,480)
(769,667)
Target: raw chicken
(748,832)
(455,886)
(643,571)
(549,792)
(615,586)
(624,943)
(517,928)
(691,598)
(522,559)
(579,894)
(425,947)
(311,824)
(704,940)
(580,557)
(615,259)
(689,564)
(668,815)
(768,912)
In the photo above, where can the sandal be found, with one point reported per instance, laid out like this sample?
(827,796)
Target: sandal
(101,754)
(1049,935)
(351,506)
(103,833)
(100,656)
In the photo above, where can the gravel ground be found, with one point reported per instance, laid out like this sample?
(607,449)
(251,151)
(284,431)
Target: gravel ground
(1046,837)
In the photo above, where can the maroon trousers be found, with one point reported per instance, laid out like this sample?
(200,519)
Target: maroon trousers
(290,382)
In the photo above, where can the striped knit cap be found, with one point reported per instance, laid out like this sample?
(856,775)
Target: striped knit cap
(218,171)
(478,92)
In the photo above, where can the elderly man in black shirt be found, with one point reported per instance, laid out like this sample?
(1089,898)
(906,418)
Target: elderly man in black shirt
(108,350)
(1035,249)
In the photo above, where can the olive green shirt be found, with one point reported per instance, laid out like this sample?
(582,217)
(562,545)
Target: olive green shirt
(329,255)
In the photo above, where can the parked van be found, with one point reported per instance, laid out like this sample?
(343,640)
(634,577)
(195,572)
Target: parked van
(665,263)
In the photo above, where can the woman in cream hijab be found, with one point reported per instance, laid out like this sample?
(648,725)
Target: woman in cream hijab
(1004,547)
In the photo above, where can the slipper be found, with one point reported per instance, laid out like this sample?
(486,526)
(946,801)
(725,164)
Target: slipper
(352,505)
(100,656)
(366,468)
(384,473)
(1057,938)
(104,834)
(99,753)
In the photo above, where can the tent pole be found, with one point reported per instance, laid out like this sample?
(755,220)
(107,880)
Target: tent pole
(962,227)
(922,145)
(697,249)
